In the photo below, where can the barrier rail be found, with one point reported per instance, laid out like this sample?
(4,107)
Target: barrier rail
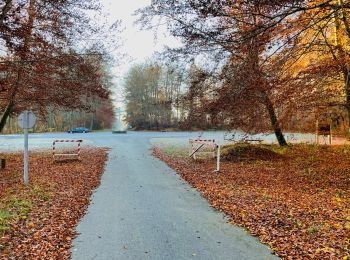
(197,144)
(66,154)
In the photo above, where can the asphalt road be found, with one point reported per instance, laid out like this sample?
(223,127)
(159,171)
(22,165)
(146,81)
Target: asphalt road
(143,209)
(44,140)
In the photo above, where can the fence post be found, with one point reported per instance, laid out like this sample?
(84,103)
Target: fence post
(316,134)
(53,149)
(79,150)
(218,158)
(3,163)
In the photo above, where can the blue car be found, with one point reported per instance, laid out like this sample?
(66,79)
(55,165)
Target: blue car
(79,130)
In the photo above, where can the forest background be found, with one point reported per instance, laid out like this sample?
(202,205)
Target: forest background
(258,66)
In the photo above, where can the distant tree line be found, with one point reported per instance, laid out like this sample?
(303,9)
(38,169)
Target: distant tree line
(101,117)
(167,96)
(153,96)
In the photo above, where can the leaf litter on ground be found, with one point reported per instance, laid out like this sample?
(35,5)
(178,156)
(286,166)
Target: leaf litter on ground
(296,200)
(38,221)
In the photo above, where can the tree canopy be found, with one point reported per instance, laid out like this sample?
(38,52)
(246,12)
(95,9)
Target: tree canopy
(276,58)
(42,63)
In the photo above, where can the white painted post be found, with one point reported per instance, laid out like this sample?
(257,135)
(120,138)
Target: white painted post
(218,159)
(26,120)
(316,134)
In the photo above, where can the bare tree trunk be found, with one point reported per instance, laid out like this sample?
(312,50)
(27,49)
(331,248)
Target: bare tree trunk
(6,114)
(92,121)
(274,122)
(347,91)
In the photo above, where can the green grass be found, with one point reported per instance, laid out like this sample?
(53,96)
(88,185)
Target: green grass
(177,151)
(5,218)
(313,229)
(41,193)
(261,153)
(11,209)
(256,152)
(20,205)
(102,131)
(16,203)
(226,150)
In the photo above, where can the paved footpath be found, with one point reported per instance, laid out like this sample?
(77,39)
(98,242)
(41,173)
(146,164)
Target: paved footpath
(144,210)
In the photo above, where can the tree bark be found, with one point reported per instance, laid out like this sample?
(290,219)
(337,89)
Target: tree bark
(347,91)
(274,122)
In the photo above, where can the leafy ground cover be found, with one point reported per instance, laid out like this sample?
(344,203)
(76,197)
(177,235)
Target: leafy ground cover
(38,221)
(296,200)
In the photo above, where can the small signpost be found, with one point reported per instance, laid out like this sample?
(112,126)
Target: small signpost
(26,120)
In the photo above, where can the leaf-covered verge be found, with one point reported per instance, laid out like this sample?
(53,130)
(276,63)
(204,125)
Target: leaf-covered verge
(38,221)
(296,200)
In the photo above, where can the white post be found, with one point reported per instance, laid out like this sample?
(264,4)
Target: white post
(218,159)
(26,123)
(26,120)
(316,133)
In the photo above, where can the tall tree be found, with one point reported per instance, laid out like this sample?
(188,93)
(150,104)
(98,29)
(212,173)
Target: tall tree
(227,29)
(319,32)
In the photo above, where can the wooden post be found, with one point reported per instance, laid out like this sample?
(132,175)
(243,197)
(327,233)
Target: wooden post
(3,163)
(330,135)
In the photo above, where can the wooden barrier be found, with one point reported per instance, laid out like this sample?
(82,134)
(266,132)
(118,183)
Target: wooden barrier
(77,154)
(197,144)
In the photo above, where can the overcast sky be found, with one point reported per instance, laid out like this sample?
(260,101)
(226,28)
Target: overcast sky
(138,45)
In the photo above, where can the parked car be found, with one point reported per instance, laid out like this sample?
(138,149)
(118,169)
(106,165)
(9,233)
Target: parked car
(79,130)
